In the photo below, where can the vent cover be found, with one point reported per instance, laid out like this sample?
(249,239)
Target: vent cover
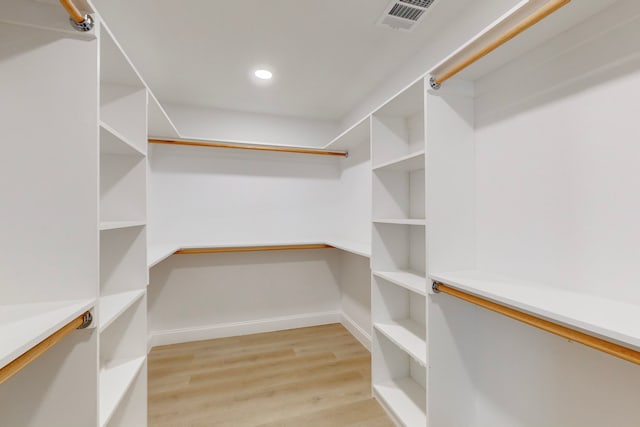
(404,14)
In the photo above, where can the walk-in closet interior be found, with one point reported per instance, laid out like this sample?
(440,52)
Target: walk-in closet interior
(443,191)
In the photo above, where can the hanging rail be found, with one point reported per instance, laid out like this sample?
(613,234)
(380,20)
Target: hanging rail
(520,27)
(79,21)
(216,144)
(608,347)
(36,351)
(251,249)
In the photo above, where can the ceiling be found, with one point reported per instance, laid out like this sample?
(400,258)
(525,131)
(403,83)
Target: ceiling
(326,55)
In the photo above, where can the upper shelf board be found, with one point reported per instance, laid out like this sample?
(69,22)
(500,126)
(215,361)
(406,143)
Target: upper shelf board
(357,134)
(561,20)
(43,15)
(405,104)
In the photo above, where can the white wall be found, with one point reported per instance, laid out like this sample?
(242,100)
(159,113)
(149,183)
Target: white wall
(355,296)
(195,297)
(557,159)
(353,213)
(556,173)
(203,195)
(225,125)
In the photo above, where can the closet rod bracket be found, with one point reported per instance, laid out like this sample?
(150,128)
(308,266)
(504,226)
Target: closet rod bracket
(434,84)
(83,26)
(434,287)
(87,318)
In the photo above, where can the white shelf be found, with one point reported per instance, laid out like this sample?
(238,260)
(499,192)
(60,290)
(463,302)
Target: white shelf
(352,247)
(351,137)
(113,142)
(407,334)
(410,162)
(401,221)
(112,306)
(408,279)
(405,399)
(114,383)
(609,319)
(114,225)
(22,326)
(158,253)
(160,124)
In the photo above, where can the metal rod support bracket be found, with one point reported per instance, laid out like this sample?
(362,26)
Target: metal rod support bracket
(87,318)
(84,26)
(434,287)
(434,84)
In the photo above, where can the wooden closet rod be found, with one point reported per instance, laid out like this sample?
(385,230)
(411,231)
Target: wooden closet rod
(72,10)
(215,144)
(608,347)
(79,21)
(250,249)
(36,351)
(523,25)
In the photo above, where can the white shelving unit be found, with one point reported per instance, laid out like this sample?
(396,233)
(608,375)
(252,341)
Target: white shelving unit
(526,177)
(515,181)
(398,287)
(115,382)
(412,281)
(123,248)
(113,306)
(48,249)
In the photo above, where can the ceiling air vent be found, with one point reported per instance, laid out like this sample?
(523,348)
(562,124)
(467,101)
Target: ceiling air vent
(404,14)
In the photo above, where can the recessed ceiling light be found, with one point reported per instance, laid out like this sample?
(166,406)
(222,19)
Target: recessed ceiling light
(263,74)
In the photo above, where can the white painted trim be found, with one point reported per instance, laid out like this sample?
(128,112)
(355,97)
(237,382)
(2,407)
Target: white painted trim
(356,330)
(208,332)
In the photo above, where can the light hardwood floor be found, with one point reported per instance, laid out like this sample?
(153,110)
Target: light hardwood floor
(317,376)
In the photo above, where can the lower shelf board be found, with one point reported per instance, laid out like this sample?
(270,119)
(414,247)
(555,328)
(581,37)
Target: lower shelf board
(110,307)
(114,383)
(413,281)
(22,326)
(407,334)
(405,399)
(612,320)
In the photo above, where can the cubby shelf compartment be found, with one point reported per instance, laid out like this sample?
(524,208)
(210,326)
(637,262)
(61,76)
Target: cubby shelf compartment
(114,225)
(405,399)
(112,306)
(113,142)
(407,334)
(411,280)
(22,326)
(115,381)
(408,163)
(399,194)
(602,317)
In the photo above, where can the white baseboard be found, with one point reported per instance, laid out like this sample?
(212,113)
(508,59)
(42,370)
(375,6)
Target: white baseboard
(360,334)
(175,336)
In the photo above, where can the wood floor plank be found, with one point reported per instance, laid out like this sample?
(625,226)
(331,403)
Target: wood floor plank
(317,376)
